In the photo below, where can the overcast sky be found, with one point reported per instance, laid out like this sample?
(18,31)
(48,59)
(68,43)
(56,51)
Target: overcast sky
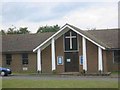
(81,13)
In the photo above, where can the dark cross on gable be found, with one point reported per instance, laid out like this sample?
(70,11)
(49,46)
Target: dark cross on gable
(70,37)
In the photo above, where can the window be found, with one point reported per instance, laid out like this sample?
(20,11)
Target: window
(116,56)
(81,60)
(8,59)
(70,41)
(59,60)
(24,58)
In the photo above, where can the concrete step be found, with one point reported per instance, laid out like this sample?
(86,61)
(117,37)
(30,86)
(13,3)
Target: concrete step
(70,73)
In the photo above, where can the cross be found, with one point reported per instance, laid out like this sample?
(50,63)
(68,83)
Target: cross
(70,37)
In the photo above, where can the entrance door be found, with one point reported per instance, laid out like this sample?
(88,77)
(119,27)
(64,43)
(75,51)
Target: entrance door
(71,62)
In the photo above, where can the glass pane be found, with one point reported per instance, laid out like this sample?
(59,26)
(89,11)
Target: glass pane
(117,56)
(74,33)
(24,55)
(67,33)
(25,61)
(8,56)
(74,43)
(70,37)
(67,44)
(8,62)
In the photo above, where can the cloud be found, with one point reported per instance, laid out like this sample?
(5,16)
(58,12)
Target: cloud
(60,0)
(13,11)
(94,17)
(35,12)
(84,15)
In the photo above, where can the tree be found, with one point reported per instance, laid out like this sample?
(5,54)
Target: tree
(46,28)
(2,32)
(23,30)
(11,31)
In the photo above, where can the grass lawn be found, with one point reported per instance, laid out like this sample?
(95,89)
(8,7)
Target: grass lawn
(17,83)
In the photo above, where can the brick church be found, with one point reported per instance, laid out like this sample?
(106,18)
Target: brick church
(68,50)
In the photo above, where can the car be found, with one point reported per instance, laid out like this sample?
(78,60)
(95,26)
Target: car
(5,71)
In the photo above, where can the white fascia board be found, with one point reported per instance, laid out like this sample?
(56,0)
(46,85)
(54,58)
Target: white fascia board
(86,37)
(49,38)
(74,31)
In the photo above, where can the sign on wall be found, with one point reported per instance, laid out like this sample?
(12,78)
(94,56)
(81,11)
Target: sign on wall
(81,60)
(68,60)
(25,68)
(60,60)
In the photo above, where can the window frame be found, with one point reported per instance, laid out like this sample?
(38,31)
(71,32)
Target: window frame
(114,61)
(8,59)
(25,59)
(77,39)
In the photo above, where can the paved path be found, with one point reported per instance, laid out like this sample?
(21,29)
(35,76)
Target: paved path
(59,77)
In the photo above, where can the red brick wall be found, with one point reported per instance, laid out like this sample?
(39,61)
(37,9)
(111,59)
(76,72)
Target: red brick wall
(105,65)
(16,64)
(111,65)
(80,52)
(59,52)
(92,57)
(46,60)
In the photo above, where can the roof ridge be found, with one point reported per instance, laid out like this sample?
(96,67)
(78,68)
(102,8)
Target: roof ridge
(104,29)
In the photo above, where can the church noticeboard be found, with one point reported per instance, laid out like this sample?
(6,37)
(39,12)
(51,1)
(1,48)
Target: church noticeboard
(60,60)
(81,60)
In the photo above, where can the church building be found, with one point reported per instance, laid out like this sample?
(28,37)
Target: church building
(68,50)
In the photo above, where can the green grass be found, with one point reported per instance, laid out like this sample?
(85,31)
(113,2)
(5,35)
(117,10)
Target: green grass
(17,83)
(116,72)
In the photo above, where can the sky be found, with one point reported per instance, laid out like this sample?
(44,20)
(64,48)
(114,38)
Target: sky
(83,14)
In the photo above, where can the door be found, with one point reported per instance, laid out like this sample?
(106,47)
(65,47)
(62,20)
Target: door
(71,62)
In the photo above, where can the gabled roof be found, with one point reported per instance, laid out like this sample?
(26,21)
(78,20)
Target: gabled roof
(90,37)
(80,32)
(23,42)
(107,38)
